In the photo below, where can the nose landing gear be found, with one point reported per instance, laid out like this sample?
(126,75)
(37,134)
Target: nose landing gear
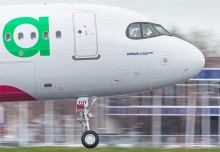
(90,139)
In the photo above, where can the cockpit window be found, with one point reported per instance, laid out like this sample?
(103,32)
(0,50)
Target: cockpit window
(161,30)
(143,30)
(135,31)
(149,31)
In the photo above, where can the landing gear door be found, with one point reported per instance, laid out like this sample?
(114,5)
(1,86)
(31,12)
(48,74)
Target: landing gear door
(85,32)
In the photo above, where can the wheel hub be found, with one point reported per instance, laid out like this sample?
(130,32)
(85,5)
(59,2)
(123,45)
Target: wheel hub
(90,139)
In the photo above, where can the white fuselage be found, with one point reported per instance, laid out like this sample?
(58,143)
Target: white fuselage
(89,54)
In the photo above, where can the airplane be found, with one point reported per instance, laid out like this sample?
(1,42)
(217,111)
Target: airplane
(82,51)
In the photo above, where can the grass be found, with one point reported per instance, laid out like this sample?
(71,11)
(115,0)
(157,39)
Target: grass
(104,149)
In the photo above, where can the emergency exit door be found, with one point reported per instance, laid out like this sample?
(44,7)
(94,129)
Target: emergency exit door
(86,46)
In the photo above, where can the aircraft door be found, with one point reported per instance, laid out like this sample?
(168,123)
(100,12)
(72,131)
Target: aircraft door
(85,32)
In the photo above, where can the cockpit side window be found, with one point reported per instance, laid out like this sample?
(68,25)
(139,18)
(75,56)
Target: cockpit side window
(143,30)
(135,31)
(149,31)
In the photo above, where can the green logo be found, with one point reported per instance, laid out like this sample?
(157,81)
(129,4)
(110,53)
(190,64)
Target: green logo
(42,45)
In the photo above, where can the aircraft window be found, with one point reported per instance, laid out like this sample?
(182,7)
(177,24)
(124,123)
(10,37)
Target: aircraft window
(20,36)
(135,31)
(8,37)
(46,35)
(33,35)
(161,30)
(149,31)
(143,30)
(58,34)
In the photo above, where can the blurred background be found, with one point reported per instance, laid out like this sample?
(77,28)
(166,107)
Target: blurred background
(183,115)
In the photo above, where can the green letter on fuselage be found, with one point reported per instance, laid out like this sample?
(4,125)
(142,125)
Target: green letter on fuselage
(42,45)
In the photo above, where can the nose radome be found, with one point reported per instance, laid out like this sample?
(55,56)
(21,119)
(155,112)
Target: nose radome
(194,61)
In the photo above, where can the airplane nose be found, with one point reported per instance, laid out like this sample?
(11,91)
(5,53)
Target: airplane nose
(194,61)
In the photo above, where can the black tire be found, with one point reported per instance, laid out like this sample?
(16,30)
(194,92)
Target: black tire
(90,139)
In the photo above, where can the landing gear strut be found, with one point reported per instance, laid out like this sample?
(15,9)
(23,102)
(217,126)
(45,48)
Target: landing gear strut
(90,139)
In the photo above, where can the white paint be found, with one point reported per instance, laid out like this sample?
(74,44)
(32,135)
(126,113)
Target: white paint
(85,34)
(114,73)
(26,41)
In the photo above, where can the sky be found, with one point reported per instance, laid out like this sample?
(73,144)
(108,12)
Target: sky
(187,15)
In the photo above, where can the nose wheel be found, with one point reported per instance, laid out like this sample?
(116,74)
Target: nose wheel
(90,139)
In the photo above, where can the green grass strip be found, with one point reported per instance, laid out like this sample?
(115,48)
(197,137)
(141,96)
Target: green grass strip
(103,149)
